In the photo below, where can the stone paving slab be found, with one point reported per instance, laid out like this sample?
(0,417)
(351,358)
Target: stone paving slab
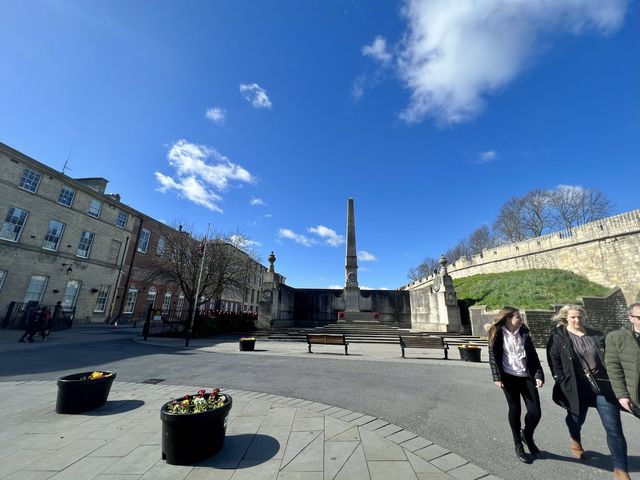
(268,437)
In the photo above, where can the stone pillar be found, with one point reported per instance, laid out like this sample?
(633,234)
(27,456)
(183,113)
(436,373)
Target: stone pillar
(268,302)
(351,289)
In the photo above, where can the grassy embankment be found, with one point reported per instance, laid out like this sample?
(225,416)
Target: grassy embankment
(533,289)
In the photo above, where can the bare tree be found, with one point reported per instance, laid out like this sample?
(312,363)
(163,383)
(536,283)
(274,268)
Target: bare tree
(509,222)
(227,264)
(536,213)
(480,239)
(461,249)
(424,269)
(573,205)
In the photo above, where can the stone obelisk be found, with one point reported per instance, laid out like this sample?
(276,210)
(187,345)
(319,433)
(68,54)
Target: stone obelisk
(351,289)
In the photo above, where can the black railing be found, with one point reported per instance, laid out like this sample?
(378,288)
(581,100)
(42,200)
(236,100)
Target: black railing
(168,323)
(17,314)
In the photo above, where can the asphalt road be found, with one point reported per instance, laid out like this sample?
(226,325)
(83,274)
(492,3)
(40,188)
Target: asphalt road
(457,407)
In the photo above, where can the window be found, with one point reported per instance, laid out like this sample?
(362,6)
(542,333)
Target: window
(101,301)
(3,275)
(122,220)
(86,239)
(151,297)
(95,207)
(180,305)
(70,295)
(130,299)
(166,302)
(13,223)
(36,288)
(53,235)
(161,244)
(30,180)
(67,194)
(143,243)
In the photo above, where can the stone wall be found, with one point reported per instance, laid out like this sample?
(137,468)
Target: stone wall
(603,313)
(606,251)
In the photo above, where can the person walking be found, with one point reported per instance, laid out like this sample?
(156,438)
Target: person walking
(622,359)
(576,357)
(516,370)
(31,325)
(44,318)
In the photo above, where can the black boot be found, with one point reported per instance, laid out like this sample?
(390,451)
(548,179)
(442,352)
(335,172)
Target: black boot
(523,457)
(528,440)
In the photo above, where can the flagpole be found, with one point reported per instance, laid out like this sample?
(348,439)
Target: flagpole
(195,306)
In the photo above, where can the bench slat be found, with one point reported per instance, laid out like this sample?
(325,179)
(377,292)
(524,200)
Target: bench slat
(423,342)
(327,339)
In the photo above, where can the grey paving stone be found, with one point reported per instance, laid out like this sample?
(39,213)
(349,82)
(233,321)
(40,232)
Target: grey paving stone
(285,475)
(448,461)
(235,447)
(138,461)
(331,410)
(297,442)
(375,424)
(61,459)
(355,468)
(352,416)
(117,477)
(387,470)
(85,468)
(164,471)
(336,455)
(334,426)
(266,440)
(467,472)
(401,436)
(279,416)
(362,420)
(378,448)
(250,470)
(341,413)
(416,444)
(29,475)
(122,445)
(304,413)
(307,423)
(388,430)
(420,465)
(246,425)
(434,476)
(310,459)
(347,436)
(204,473)
(431,452)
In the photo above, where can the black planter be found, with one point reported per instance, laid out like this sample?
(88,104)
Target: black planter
(75,395)
(247,345)
(192,437)
(469,354)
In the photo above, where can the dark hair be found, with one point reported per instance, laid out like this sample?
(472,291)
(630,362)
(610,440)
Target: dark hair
(503,315)
(632,306)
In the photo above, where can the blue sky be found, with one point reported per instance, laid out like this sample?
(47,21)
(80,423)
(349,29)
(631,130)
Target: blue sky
(265,117)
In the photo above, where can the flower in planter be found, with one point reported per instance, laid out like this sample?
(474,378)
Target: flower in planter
(340,314)
(376,315)
(248,339)
(201,402)
(96,375)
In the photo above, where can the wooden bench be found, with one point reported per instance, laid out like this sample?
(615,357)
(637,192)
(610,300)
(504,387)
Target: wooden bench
(322,339)
(424,342)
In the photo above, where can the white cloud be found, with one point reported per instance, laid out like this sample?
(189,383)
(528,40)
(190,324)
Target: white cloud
(296,237)
(365,256)
(335,287)
(252,92)
(201,174)
(455,53)
(357,89)
(217,115)
(378,51)
(486,157)
(242,241)
(254,202)
(330,236)
(267,215)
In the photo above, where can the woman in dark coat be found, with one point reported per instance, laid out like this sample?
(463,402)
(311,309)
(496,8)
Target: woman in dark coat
(572,351)
(516,370)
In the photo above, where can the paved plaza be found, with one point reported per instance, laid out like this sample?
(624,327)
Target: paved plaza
(270,436)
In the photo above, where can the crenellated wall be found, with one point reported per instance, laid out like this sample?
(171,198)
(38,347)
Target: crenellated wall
(606,251)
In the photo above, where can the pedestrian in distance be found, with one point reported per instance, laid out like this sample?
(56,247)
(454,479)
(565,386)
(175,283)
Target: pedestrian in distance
(622,359)
(576,355)
(516,370)
(31,325)
(44,320)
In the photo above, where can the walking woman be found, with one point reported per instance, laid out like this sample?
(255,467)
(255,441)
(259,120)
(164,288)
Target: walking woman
(516,370)
(576,358)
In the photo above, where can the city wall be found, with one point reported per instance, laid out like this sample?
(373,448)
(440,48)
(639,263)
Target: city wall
(606,251)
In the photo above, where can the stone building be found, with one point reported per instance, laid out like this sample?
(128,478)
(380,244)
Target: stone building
(61,239)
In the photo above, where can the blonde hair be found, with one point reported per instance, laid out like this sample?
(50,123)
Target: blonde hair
(499,320)
(561,316)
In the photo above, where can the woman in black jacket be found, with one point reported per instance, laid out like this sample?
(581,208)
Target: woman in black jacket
(575,352)
(516,369)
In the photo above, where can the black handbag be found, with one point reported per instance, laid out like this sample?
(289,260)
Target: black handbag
(593,381)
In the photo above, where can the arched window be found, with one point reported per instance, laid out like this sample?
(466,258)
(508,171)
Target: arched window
(180,305)
(130,299)
(166,302)
(151,297)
